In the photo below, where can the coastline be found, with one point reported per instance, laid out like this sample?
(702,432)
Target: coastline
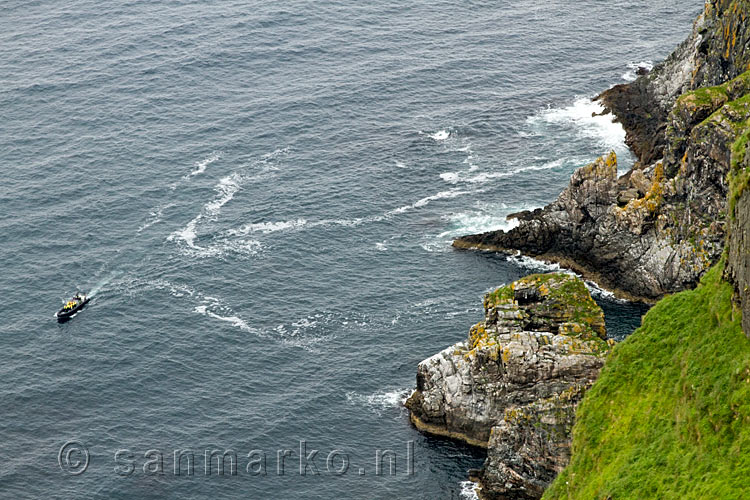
(436,430)
(672,230)
(588,274)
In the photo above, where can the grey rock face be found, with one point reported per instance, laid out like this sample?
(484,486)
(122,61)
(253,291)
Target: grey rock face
(715,52)
(504,369)
(658,228)
(529,447)
(620,232)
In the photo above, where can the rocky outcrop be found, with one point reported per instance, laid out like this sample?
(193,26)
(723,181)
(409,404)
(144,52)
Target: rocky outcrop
(656,229)
(717,51)
(737,270)
(513,385)
(529,447)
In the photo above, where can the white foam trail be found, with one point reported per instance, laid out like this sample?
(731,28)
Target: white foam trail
(538,265)
(225,189)
(155,217)
(268,227)
(465,177)
(630,75)
(477,222)
(451,177)
(102,283)
(440,135)
(486,176)
(468,490)
(215,308)
(600,293)
(585,115)
(484,217)
(188,233)
(381,400)
(235,321)
(308,332)
(452,193)
(201,166)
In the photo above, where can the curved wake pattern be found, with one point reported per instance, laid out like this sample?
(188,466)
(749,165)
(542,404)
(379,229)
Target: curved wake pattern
(225,190)
(306,333)
(155,216)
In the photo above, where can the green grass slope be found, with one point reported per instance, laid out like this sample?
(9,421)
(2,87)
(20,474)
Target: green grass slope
(669,417)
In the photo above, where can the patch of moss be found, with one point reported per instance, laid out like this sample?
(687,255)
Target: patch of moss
(653,198)
(567,296)
(503,295)
(706,97)
(669,417)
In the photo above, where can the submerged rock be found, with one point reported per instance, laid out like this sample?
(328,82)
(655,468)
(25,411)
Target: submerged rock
(513,384)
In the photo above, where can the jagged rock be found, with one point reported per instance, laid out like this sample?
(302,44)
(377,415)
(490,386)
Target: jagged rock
(656,229)
(626,248)
(716,51)
(529,447)
(542,342)
(737,269)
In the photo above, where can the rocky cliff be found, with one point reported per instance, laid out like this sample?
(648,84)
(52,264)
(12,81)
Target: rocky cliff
(717,50)
(659,227)
(513,385)
(666,419)
(738,240)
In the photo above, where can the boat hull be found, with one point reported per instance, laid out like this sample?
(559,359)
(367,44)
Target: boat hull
(65,315)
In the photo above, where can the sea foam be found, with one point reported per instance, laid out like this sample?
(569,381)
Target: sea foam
(587,118)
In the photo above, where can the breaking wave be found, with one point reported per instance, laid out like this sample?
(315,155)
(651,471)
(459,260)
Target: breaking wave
(382,400)
(587,117)
(468,491)
(630,75)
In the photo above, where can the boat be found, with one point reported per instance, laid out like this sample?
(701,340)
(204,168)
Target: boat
(72,306)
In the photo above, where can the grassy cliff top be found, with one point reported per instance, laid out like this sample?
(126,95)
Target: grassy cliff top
(557,296)
(669,417)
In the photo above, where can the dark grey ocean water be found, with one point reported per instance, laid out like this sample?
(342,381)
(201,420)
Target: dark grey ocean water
(261,197)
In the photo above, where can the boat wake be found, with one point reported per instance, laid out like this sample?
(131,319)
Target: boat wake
(187,238)
(201,166)
(308,333)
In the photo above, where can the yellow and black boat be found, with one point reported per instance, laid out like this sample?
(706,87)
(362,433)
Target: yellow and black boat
(72,306)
